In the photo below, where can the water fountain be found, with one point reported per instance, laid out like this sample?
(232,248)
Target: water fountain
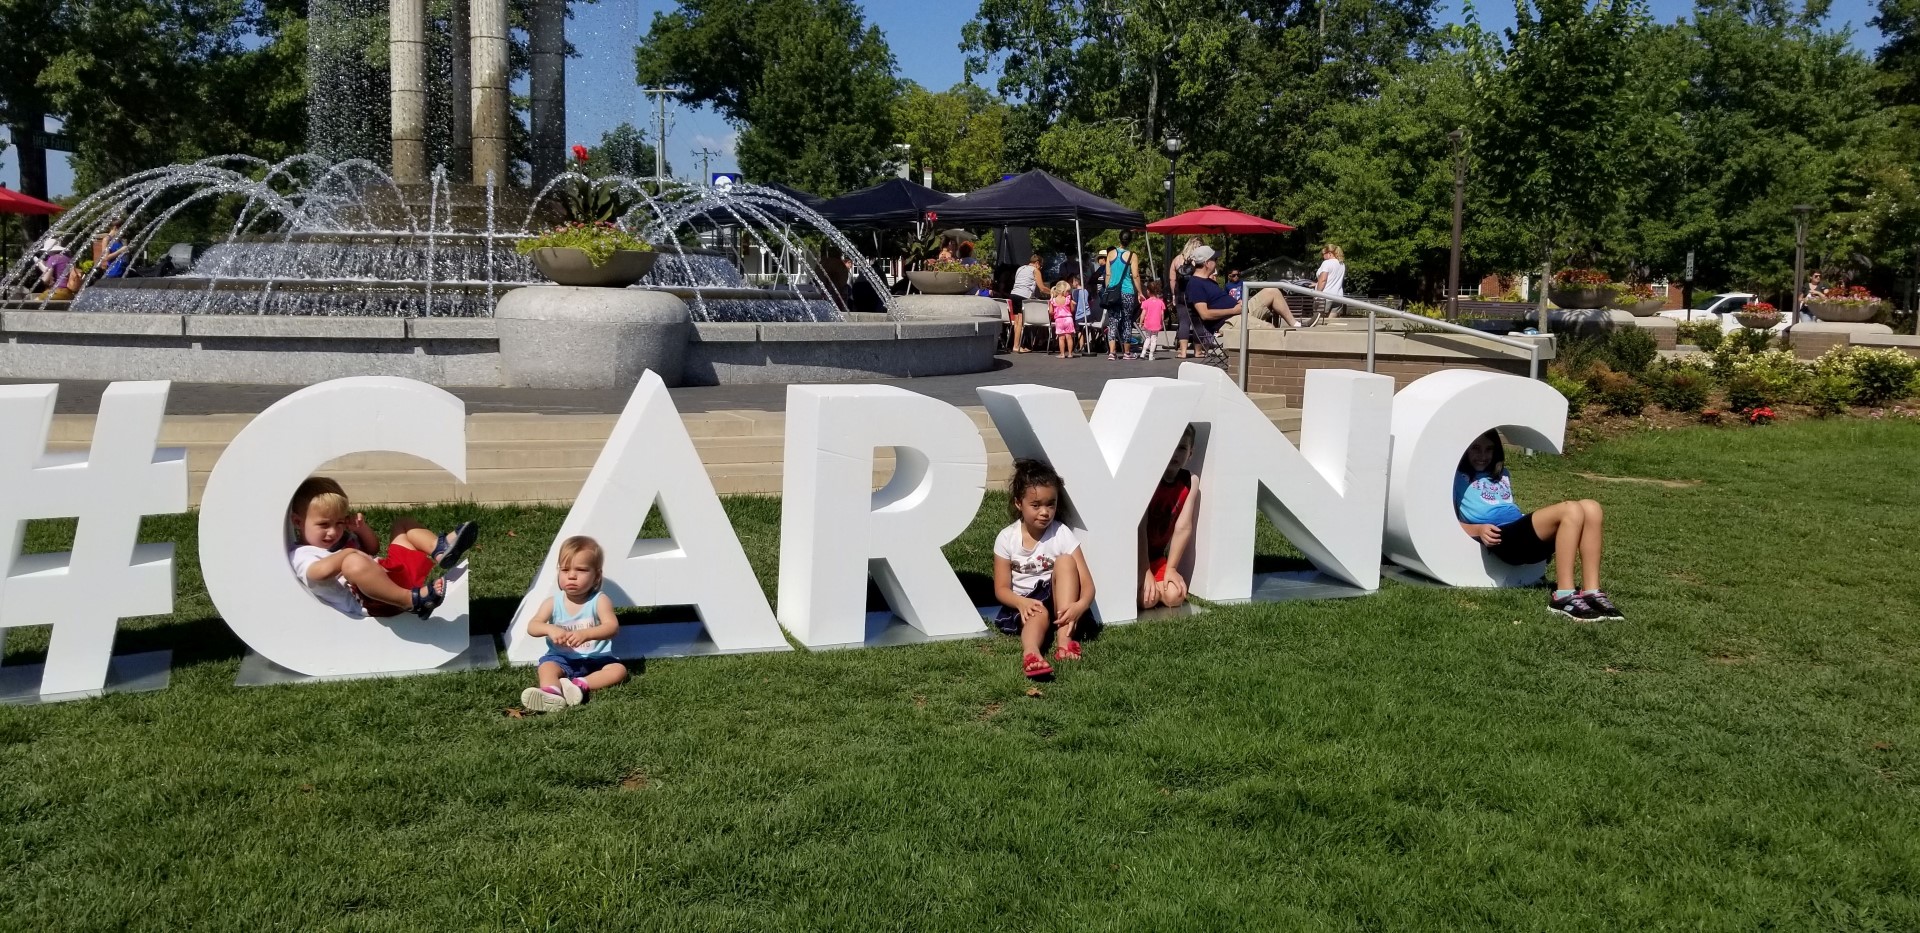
(329,251)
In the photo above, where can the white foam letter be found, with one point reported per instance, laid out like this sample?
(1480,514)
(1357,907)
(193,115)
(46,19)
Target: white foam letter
(649,460)
(1434,420)
(243,526)
(1110,463)
(1326,496)
(835,530)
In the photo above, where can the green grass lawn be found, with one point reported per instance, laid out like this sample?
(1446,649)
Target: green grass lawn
(1740,755)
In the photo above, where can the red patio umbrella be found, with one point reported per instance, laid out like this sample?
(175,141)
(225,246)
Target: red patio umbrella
(1216,219)
(13,202)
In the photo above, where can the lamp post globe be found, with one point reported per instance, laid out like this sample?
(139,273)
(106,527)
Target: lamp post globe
(1173,145)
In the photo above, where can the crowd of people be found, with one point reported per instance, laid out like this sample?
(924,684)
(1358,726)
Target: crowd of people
(1135,314)
(58,276)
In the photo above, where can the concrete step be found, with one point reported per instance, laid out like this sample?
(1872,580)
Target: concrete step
(530,458)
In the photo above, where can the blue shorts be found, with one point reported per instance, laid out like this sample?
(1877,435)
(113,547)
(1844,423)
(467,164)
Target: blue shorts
(571,667)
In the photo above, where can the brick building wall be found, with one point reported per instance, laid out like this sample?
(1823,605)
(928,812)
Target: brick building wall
(1286,373)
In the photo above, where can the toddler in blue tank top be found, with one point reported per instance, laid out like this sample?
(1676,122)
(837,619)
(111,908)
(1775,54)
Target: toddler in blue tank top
(579,625)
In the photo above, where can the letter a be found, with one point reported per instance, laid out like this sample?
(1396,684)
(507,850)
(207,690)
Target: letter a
(835,530)
(1434,420)
(1110,464)
(648,460)
(1326,496)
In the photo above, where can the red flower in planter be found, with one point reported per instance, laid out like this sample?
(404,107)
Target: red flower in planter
(579,153)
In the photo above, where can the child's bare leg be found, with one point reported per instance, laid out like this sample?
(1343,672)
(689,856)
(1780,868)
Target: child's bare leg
(1172,595)
(550,674)
(1561,523)
(606,676)
(1033,632)
(372,581)
(408,533)
(1066,592)
(1590,528)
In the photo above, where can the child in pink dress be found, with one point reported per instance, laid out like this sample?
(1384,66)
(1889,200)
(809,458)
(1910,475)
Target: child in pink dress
(1153,313)
(1061,309)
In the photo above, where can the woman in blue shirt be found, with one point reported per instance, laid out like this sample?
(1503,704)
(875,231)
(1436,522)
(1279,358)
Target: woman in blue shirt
(1562,533)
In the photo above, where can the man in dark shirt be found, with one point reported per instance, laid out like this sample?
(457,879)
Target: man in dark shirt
(1211,303)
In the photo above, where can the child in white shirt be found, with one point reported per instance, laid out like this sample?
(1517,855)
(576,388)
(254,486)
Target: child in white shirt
(1039,574)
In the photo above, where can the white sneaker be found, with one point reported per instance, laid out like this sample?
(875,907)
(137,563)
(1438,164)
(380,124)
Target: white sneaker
(540,701)
(571,693)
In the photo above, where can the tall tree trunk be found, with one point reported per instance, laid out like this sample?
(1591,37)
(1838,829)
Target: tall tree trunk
(548,89)
(33,167)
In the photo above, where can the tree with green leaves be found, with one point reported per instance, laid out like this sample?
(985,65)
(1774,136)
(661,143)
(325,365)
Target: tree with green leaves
(623,150)
(809,84)
(958,134)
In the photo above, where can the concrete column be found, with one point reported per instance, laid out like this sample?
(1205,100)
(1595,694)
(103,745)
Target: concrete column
(407,47)
(490,102)
(548,89)
(460,96)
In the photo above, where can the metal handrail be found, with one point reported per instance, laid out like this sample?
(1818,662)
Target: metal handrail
(1373,310)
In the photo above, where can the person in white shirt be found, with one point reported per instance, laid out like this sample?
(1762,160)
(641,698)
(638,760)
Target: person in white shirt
(1332,277)
(1039,575)
(1028,280)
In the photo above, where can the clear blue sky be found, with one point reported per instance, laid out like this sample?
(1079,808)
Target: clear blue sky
(925,37)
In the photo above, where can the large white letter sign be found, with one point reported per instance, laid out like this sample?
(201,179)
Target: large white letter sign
(1326,496)
(835,529)
(84,594)
(1110,463)
(243,526)
(649,460)
(1434,420)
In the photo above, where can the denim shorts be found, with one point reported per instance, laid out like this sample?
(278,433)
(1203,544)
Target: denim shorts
(571,667)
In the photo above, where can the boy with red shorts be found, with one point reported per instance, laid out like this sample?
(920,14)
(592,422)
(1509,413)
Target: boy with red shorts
(337,556)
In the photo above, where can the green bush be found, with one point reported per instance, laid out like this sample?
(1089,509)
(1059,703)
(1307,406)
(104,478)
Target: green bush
(1621,394)
(1749,341)
(1832,393)
(1746,392)
(1884,375)
(1575,390)
(1682,387)
(1783,376)
(1703,334)
(1631,350)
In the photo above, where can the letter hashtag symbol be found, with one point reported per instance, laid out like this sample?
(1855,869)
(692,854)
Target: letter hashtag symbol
(108,575)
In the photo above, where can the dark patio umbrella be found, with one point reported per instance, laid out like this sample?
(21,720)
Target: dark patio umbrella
(895,202)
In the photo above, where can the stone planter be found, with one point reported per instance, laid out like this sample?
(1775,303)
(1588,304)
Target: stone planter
(1845,312)
(1580,296)
(1647,308)
(565,337)
(1757,321)
(569,266)
(943,283)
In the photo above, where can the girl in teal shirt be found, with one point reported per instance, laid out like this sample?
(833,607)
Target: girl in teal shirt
(1563,532)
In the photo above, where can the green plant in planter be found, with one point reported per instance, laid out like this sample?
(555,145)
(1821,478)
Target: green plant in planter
(979,274)
(1581,278)
(598,240)
(593,202)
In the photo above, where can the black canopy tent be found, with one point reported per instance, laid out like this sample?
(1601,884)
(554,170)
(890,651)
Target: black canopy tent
(1037,199)
(895,202)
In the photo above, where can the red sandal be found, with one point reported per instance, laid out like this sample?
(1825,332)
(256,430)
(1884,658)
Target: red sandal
(1036,667)
(1067,650)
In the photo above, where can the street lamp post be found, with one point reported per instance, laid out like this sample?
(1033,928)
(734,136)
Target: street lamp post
(1459,199)
(1800,212)
(1173,145)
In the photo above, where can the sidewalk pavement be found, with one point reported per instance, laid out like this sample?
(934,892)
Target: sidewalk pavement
(1084,376)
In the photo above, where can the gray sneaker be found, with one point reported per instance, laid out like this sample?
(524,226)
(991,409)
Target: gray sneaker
(1604,606)
(537,700)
